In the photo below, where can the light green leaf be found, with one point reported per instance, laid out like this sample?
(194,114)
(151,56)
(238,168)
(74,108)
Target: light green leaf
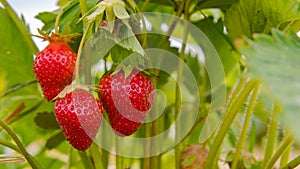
(257,16)
(245,18)
(275,59)
(278,12)
(99,10)
(120,11)
(16,66)
(189,161)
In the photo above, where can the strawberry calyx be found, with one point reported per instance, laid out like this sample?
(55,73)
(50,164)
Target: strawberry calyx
(69,89)
(54,37)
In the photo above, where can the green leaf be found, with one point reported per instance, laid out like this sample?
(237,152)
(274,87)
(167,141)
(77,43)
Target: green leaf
(16,67)
(278,12)
(69,19)
(62,2)
(155,7)
(120,45)
(46,120)
(55,140)
(257,16)
(246,162)
(120,11)
(245,18)
(275,59)
(214,31)
(222,4)
(188,161)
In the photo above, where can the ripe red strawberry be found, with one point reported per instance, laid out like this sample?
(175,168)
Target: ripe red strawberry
(54,66)
(79,115)
(126,100)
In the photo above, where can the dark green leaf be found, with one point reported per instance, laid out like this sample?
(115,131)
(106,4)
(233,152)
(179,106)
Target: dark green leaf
(214,31)
(55,140)
(222,4)
(68,22)
(46,120)
(155,7)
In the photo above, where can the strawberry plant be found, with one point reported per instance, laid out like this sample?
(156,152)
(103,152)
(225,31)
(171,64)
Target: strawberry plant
(151,84)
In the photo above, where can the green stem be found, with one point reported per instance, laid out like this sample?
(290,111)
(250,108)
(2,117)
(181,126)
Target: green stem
(56,24)
(33,163)
(83,6)
(104,154)
(20,25)
(70,157)
(147,146)
(178,92)
(231,114)
(272,134)
(17,87)
(9,145)
(237,90)
(96,156)
(85,160)
(119,159)
(286,155)
(243,136)
(77,79)
(145,5)
(292,164)
(288,141)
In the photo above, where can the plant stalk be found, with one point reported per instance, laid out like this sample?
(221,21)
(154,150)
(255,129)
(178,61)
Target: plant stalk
(286,155)
(178,92)
(119,159)
(9,145)
(292,164)
(77,68)
(17,87)
(96,156)
(272,134)
(288,141)
(243,136)
(33,163)
(231,114)
(85,160)
(70,157)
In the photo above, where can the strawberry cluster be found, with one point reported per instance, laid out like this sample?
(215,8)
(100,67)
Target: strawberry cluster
(126,100)
(77,112)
